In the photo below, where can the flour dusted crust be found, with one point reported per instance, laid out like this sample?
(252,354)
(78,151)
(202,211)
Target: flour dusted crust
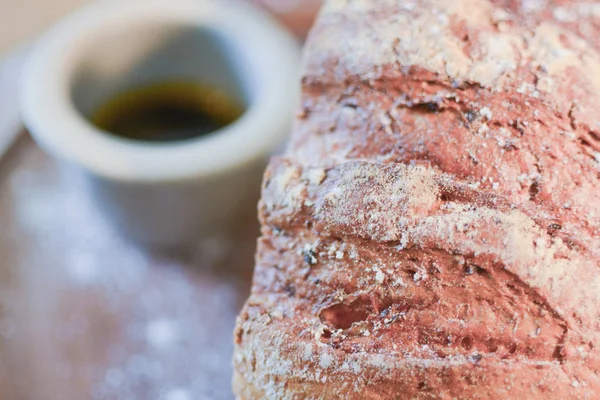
(433,231)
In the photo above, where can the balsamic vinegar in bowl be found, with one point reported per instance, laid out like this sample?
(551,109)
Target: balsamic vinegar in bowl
(167,112)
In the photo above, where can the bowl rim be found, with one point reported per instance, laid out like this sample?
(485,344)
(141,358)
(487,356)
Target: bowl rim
(273,58)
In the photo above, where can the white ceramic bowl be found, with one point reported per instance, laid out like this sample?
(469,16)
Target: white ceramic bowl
(163,194)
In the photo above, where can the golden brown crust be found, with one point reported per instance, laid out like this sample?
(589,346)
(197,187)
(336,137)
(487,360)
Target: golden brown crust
(434,229)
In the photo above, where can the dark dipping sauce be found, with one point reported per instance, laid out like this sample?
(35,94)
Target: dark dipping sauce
(167,112)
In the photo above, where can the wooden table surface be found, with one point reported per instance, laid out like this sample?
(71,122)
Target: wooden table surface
(86,315)
(83,313)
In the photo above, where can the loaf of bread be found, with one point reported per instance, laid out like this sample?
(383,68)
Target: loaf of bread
(433,230)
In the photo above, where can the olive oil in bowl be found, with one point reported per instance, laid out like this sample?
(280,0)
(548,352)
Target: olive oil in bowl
(167,112)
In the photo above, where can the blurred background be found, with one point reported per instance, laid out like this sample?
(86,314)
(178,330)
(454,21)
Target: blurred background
(83,313)
(22,20)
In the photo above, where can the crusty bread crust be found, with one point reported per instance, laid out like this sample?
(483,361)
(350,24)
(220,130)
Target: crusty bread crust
(433,231)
